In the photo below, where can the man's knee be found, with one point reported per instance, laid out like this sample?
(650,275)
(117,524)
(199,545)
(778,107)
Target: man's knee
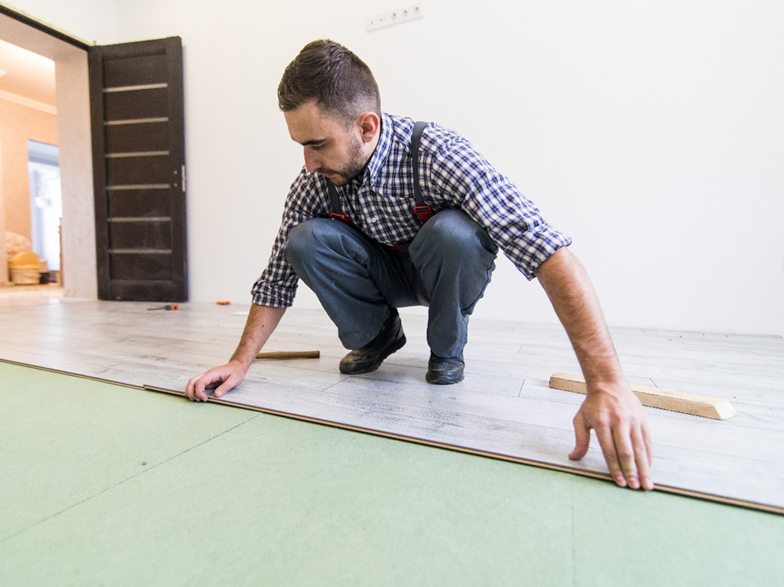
(454,234)
(308,237)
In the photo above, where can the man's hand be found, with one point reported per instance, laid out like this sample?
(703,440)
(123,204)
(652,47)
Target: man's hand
(228,377)
(623,434)
(261,323)
(611,409)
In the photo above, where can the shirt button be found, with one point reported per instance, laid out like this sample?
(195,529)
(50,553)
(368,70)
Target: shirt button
(373,220)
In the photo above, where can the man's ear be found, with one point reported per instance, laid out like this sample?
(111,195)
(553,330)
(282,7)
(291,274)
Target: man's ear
(369,126)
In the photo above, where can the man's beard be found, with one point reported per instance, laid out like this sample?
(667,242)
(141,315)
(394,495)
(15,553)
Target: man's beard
(352,169)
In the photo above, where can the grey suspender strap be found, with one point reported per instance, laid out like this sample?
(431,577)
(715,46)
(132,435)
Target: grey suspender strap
(422,210)
(336,211)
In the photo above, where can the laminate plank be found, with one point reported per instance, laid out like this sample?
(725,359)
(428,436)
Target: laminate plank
(503,414)
(536,435)
(502,409)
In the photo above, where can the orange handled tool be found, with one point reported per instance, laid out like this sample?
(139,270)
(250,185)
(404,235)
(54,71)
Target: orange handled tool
(167,307)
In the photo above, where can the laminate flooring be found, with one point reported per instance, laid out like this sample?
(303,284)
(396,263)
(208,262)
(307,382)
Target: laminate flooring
(503,409)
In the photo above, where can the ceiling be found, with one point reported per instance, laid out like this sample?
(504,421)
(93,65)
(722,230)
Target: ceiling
(28,75)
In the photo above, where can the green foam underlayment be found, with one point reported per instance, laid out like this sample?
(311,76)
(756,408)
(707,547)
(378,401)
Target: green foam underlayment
(232,497)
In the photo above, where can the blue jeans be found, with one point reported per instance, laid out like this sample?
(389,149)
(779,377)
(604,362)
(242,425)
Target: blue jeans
(447,268)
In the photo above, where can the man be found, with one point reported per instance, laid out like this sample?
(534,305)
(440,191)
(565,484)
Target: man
(398,248)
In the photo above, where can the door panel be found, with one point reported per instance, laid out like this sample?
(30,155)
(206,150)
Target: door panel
(133,71)
(126,265)
(138,204)
(137,104)
(137,137)
(139,160)
(148,235)
(141,169)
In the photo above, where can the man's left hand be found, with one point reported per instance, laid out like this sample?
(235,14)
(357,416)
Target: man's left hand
(616,415)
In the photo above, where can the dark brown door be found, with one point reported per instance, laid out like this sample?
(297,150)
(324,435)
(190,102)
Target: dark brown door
(136,102)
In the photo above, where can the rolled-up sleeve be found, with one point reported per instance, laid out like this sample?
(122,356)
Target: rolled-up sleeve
(277,285)
(460,177)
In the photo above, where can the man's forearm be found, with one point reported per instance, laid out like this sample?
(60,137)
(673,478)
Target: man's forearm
(611,409)
(261,323)
(570,291)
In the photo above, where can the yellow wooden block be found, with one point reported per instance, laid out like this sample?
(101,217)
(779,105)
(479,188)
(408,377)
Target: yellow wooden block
(675,401)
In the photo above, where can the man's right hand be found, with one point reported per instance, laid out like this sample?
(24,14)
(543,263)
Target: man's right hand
(226,377)
(262,321)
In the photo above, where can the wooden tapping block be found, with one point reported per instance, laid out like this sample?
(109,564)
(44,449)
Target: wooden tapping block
(289,355)
(675,401)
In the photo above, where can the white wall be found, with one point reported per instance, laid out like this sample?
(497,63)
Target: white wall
(89,20)
(653,133)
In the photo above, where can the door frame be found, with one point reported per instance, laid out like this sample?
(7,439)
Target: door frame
(73,129)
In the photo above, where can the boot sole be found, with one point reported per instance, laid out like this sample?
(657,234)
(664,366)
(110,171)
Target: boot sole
(399,344)
(444,379)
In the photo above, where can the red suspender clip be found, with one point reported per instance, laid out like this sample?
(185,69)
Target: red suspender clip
(341,217)
(423,212)
(336,213)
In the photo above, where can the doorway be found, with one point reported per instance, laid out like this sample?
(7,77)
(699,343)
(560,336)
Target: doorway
(46,207)
(79,276)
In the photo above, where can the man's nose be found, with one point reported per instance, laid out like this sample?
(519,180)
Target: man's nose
(312,163)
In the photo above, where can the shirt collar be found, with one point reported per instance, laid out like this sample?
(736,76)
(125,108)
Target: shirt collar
(381,153)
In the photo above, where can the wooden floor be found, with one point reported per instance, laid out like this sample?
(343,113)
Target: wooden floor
(504,408)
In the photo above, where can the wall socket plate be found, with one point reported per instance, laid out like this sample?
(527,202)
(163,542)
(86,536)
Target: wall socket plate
(397,16)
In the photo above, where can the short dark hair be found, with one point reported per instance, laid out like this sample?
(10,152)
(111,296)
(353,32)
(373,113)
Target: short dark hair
(341,82)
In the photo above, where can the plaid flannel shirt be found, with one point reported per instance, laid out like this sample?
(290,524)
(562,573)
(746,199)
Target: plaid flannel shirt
(380,203)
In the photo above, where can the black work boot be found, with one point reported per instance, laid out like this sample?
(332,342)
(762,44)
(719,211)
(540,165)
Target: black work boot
(370,356)
(445,371)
